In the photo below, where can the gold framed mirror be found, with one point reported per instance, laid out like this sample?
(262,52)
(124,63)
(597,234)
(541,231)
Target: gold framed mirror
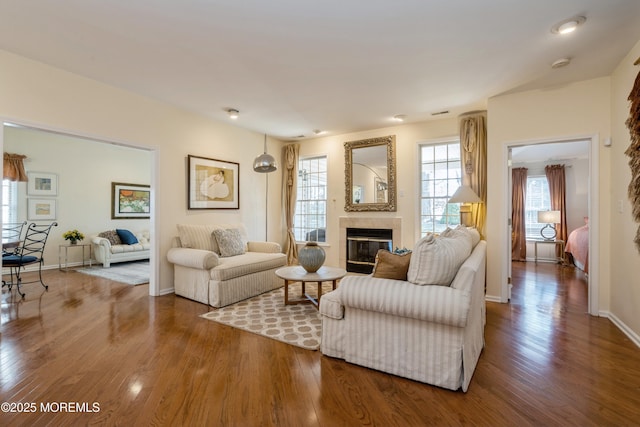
(370,175)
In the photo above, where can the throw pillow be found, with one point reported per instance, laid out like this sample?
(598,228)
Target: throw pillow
(391,265)
(126,236)
(197,236)
(229,241)
(436,260)
(111,236)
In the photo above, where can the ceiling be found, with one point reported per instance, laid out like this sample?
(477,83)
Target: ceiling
(556,151)
(339,66)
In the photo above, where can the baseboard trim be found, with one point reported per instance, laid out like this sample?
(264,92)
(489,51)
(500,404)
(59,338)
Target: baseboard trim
(493,298)
(167,291)
(635,338)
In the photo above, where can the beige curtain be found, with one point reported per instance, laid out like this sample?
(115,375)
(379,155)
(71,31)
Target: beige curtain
(14,167)
(557,192)
(289,192)
(518,220)
(473,144)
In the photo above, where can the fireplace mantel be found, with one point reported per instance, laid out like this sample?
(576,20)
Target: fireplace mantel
(345,222)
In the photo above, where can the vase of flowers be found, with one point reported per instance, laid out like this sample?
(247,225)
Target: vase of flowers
(73,236)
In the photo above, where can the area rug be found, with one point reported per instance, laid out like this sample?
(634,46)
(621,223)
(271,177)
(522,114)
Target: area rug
(131,273)
(266,315)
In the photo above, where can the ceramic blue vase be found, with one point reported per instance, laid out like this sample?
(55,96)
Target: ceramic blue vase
(311,257)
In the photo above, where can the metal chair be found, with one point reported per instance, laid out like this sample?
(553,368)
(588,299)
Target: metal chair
(11,237)
(29,252)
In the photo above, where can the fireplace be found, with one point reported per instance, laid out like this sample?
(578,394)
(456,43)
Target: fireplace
(363,245)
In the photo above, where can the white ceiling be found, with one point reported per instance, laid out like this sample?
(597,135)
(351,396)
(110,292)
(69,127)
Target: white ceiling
(336,65)
(556,151)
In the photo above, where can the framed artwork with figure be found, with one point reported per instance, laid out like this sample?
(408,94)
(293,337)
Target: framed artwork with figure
(213,183)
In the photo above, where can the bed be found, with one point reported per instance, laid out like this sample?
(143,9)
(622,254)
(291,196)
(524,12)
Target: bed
(578,246)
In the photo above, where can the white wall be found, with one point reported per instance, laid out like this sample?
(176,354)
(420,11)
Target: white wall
(35,94)
(624,257)
(85,171)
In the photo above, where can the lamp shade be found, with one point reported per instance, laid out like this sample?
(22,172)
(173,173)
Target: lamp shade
(265,162)
(464,194)
(549,217)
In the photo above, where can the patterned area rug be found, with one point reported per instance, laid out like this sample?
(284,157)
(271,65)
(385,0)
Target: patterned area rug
(131,273)
(266,315)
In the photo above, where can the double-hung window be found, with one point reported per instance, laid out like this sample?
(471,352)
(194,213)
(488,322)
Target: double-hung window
(9,201)
(310,220)
(440,177)
(537,199)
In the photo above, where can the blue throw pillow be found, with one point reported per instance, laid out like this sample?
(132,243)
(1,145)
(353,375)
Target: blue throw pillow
(126,237)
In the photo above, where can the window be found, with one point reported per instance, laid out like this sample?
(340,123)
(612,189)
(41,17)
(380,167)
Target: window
(440,177)
(9,201)
(537,199)
(310,220)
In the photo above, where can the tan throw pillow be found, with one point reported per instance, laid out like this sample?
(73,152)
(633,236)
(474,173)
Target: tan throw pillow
(197,236)
(111,236)
(229,241)
(391,266)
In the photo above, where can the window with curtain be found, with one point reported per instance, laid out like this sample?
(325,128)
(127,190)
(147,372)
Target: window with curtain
(310,220)
(440,177)
(9,201)
(537,200)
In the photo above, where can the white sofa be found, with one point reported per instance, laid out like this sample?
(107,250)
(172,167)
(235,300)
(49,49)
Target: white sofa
(107,253)
(431,333)
(202,272)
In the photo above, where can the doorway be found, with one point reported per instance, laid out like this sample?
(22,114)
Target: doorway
(555,151)
(71,150)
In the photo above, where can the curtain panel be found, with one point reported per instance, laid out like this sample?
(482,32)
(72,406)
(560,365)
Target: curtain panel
(14,167)
(290,155)
(518,220)
(473,144)
(557,193)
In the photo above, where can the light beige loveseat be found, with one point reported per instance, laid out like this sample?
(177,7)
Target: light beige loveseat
(429,333)
(202,272)
(107,252)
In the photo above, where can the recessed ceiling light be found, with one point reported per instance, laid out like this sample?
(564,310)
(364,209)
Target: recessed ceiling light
(568,25)
(562,62)
(399,117)
(233,113)
(319,132)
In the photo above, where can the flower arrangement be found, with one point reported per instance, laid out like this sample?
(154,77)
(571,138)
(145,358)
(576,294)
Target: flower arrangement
(73,236)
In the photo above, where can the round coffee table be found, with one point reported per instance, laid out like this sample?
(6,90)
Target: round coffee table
(299,274)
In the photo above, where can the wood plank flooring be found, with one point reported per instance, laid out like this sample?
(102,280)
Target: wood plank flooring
(153,361)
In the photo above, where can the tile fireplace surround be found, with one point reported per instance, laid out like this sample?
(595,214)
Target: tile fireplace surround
(345,222)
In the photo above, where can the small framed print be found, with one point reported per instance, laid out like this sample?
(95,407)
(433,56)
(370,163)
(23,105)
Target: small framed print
(41,209)
(213,184)
(42,184)
(130,201)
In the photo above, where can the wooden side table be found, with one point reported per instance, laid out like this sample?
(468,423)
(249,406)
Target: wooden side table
(299,274)
(66,254)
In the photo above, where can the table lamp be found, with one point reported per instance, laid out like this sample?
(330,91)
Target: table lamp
(548,232)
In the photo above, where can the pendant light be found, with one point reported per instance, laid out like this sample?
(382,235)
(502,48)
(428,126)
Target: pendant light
(264,163)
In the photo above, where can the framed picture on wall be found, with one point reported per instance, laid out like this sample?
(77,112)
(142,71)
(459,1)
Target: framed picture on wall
(42,184)
(130,201)
(41,209)
(213,184)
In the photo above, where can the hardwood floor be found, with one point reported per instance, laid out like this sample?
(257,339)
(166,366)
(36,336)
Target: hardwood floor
(153,361)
